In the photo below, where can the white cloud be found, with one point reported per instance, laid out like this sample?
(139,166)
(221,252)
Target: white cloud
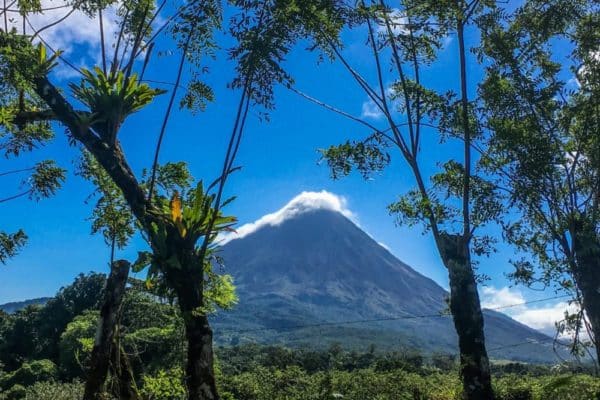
(495,298)
(385,246)
(370,110)
(77,29)
(305,201)
(77,36)
(446,42)
(541,316)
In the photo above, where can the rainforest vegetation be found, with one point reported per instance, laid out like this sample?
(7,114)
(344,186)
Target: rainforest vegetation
(53,367)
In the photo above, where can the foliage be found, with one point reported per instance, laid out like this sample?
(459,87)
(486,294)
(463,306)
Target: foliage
(16,392)
(111,99)
(54,391)
(152,334)
(10,243)
(181,228)
(366,156)
(165,385)
(246,358)
(265,32)
(76,343)
(16,137)
(452,198)
(20,338)
(31,372)
(198,224)
(293,383)
(35,332)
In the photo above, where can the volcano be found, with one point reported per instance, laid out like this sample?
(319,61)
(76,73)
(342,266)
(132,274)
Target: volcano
(309,276)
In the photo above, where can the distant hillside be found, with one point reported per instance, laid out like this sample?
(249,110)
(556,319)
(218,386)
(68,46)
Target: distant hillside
(18,305)
(317,268)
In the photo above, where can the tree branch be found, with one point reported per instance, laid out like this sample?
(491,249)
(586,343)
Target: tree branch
(110,157)
(16,196)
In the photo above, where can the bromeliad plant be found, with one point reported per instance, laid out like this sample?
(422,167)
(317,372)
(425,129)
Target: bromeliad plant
(198,224)
(179,208)
(111,97)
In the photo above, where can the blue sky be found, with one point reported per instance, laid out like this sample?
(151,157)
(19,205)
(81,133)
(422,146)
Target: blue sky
(279,160)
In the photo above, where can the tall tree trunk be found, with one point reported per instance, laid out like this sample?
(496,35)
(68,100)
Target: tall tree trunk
(105,335)
(200,375)
(587,277)
(468,319)
(124,387)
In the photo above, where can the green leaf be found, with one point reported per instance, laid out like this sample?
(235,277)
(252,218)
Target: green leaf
(144,259)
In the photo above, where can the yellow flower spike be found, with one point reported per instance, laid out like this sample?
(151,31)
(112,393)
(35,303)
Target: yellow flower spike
(177,213)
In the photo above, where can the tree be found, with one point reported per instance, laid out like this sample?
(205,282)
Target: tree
(180,229)
(20,338)
(35,332)
(85,293)
(543,109)
(454,202)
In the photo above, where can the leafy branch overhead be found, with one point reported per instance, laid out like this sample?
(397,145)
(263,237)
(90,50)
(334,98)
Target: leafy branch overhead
(10,243)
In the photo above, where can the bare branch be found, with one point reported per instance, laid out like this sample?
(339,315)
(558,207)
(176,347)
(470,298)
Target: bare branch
(168,112)
(54,23)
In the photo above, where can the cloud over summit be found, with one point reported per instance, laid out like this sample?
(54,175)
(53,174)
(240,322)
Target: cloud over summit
(305,201)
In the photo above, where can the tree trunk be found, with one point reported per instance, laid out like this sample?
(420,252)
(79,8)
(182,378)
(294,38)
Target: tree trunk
(200,375)
(124,387)
(587,277)
(105,334)
(468,319)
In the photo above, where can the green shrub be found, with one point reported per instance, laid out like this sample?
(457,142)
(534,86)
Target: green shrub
(54,391)
(30,373)
(17,392)
(165,385)
(76,344)
(515,387)
(367,384)
(570,387)
(519,393)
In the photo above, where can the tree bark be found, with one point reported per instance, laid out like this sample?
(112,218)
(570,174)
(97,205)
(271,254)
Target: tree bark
(200,375)
(126,388)
(586,272)
(105,334)
(468,319)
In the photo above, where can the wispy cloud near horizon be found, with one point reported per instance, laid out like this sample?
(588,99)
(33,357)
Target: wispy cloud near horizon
(542,316)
